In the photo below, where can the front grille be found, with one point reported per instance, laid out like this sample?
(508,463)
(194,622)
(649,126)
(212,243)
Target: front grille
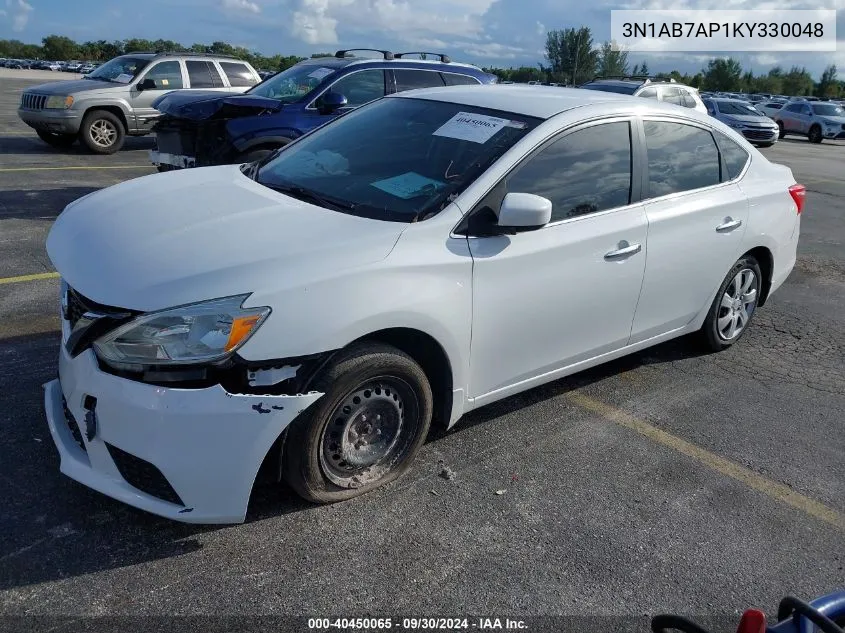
(31,101)
(143,475)
(759,135)
(76,307)
(72,425)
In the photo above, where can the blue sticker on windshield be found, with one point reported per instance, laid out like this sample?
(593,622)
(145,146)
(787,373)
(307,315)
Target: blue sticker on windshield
(409,185)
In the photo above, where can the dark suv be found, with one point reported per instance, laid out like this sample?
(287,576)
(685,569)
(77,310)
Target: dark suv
(214,129)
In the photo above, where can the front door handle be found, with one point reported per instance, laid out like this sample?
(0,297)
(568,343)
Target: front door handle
(624,250)
(729,224)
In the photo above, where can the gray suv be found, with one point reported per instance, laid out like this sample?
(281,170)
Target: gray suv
(116,99)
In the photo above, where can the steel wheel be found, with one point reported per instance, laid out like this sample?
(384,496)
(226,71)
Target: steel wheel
(103,133)
(737,304)
(371,429)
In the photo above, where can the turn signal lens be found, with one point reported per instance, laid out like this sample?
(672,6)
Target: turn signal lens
(241,328)
(798,193)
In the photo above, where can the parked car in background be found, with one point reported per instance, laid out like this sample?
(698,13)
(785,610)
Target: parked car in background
(115,100)
(202,130)
(87,68)
(665,91)
(816,121)
(753,124)
(396,268)
(265,74)
(770,108)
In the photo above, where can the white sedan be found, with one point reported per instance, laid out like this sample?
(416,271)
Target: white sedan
(422,256)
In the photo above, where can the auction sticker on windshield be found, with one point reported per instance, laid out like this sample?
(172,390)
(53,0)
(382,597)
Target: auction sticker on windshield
(320,73)
(466,126)
(408,185)
(123,79)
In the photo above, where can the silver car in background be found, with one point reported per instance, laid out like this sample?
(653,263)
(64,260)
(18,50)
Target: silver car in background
(753,124)
(815,120)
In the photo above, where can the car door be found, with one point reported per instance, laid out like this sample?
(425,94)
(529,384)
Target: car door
(696,219)
(805,116)
(549,298)
(359,87)
(157,80)
(790,117)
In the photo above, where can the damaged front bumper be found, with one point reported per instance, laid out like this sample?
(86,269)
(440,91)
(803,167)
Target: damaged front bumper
(190,455)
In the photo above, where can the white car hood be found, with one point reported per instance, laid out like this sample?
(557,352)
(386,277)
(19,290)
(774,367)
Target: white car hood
(197,234)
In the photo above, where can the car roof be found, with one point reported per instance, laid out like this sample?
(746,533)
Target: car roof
(541,102)
(343,62)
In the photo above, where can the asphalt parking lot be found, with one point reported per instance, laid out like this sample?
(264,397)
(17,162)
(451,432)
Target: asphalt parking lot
(666,481)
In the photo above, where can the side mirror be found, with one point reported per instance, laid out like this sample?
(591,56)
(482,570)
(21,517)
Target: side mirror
(524,212)
(331,102)
(146,84)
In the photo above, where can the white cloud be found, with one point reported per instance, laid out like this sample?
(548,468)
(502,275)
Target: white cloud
(541,28)
(18,12)
(246,6)
(496,50)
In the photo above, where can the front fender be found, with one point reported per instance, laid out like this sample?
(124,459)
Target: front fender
(279,136)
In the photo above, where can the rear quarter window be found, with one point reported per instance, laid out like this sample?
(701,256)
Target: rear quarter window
(239,75)
(736,158)
(454,79)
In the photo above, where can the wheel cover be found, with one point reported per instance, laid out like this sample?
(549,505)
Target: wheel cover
(369,432)
(737,305)
(103,133)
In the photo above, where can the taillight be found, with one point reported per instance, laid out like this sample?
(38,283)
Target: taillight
(798,193)
(752,621)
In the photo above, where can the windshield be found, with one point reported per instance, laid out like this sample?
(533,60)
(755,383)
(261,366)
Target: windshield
(828,109)
(294,83)
(120,69)
(734,107)
(397,159)
(619,88)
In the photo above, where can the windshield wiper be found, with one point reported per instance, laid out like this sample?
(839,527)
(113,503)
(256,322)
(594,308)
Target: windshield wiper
(307,195)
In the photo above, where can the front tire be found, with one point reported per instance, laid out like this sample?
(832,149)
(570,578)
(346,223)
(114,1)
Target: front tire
(102,132)
(55,139)
(781,130)
(733,308)
(367,428)
(815,134)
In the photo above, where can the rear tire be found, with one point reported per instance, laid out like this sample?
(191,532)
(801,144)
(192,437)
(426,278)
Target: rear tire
(365,431)
(102,132)
(734,305)
(54,139)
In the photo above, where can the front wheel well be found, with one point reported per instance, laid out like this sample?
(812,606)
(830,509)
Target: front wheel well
(430,355)
(767,265)
(115,110)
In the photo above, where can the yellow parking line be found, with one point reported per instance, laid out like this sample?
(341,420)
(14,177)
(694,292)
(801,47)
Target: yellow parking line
(726,467)
(21,278)
(86,168)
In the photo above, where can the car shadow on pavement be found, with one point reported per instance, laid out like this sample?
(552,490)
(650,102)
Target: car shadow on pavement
(55,528)
(32,145)
(39,203)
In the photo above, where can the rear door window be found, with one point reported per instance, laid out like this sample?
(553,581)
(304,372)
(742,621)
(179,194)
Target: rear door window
(672,95)
(239,75)
(681,158)
(649,93)
(408,79)
(203,74)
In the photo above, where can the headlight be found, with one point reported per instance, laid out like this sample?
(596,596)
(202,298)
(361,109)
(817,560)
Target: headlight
(195,333)
(736,125)
(58,102)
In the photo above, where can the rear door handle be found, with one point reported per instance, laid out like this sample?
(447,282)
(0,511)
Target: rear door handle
(624,250)
(729,224)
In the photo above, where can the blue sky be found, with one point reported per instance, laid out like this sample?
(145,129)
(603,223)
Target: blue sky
(499,32)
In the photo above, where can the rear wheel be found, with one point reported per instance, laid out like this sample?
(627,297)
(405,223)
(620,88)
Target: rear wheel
(734,305)
(367,428)
(102,132)
(55,139)
(815,134)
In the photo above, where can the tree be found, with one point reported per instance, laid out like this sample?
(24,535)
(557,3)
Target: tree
(828,86)
(59,47)
(723,74)
(611,62)
(570,53)
(798,82)
(644,69)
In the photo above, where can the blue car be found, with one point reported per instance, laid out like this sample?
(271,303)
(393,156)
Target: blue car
(217,128)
